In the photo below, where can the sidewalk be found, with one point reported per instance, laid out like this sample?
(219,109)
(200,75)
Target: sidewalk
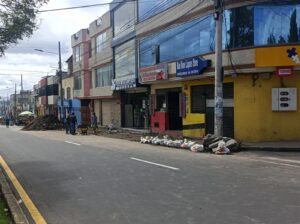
(134,135)
(281,146)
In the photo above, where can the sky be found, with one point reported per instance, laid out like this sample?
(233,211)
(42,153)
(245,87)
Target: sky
(22,59)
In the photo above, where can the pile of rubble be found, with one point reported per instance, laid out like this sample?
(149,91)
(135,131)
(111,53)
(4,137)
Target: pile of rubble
(47,122)
(211,143)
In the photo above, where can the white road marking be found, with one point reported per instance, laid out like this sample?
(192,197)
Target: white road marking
(282,164)
(72,143)
(283,160)
(156,164)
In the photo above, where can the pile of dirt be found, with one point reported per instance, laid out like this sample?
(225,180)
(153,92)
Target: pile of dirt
(47,122)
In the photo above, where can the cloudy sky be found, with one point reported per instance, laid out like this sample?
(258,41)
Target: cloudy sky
(53,27)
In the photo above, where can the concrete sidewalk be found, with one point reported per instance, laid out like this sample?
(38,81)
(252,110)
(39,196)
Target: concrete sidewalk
(284,146)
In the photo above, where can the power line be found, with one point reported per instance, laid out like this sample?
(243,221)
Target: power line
(84,6)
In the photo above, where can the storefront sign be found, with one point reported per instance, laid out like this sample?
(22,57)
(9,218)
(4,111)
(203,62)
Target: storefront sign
(153,73)
(191,66)
(123,84)
(285,71)
(277,56)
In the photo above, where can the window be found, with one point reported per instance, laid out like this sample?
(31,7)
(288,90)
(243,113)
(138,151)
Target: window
(77,81)
(68,93)
(186,40)
(104,76)
(276,24)
(100,42)
(124,19)
(77,55)
(238,28)
(153,7)
(198,99)
(125,59)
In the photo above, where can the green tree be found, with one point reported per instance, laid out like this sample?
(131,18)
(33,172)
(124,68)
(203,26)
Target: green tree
(293,36)
(17,20)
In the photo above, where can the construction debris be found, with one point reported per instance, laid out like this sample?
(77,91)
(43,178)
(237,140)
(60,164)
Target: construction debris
(47,122)
(211,143)
(167,141)
(220,145)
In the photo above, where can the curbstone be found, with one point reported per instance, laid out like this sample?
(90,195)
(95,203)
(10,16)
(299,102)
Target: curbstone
(15,209)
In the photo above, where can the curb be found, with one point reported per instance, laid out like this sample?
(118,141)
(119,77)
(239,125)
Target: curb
(15,209)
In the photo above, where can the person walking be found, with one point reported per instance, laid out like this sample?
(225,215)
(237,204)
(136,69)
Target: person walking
(7,121)
(94,121)
(73,122)
(67,124)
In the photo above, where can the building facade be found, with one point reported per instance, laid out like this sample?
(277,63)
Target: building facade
(46,102)
(105,102)
(176,43)
(134,96)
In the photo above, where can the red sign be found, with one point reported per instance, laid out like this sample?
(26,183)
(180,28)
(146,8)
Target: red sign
(153,73)
(284,71)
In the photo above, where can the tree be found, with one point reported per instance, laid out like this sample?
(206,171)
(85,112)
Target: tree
(17,20)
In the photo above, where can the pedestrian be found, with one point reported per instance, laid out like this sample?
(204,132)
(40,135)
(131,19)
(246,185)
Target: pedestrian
(94,122)
(73,122)
(67,124)
(7,121)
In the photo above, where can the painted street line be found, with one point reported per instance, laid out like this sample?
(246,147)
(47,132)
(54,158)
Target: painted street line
(282,160)
(281,164)
(34,212)
(72,143)
(156,164)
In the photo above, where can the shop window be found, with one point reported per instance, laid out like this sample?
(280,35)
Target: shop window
(198,99)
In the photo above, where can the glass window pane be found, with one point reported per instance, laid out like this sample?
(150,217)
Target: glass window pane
(125,59)
(104,76)
(186,40)
(276,24)
(124,19)
(153,7)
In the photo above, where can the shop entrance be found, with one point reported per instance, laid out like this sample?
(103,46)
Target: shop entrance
(133,112)
(168,100)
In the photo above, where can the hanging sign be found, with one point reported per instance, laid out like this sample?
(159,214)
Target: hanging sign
(191,66)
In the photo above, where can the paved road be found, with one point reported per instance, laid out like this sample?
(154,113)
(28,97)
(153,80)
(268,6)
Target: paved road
(90,179)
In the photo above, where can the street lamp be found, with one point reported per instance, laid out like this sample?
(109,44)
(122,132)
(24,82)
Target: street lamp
(59,74)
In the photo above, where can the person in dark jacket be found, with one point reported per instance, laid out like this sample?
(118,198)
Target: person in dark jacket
(7,121)
(73,122)
(67,124)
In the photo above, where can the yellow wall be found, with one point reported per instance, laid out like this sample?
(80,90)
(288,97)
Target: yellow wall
(195,118)
(254,119)
(253,116)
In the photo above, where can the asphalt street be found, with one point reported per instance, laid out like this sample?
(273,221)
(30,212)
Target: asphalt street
(92,179)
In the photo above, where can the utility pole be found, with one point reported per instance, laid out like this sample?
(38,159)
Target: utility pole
(21,93)
(60,83)
(15,101)
(218,16)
